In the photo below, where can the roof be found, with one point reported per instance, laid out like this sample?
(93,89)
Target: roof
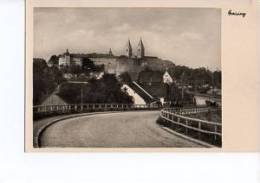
(150,76)
(54,99)
(140,44)
(155,89)
(205,95)
(92,55)
(129,44)
(142,92)
(79,55)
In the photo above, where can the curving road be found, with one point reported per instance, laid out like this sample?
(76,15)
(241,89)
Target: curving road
(127,129)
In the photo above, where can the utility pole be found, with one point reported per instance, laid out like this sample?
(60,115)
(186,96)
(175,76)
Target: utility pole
(182,85)
(213,84)
(81,98)
(195,85)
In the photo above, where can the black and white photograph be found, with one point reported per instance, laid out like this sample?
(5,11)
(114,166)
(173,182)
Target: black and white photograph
(132,91)
(126,77)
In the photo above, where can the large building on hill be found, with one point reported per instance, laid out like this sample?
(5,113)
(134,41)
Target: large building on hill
(128,62)
(108,60)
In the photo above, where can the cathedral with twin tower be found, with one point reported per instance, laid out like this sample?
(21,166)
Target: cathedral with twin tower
(111,62)
(140,49)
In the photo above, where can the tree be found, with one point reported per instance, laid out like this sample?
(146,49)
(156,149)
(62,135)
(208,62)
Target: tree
(39,84)
(75,69)
(45,80)
(105,90)
(217,78)
(88,66)
(53,61)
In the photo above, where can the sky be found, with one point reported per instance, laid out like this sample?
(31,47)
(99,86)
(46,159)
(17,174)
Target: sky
(185,36)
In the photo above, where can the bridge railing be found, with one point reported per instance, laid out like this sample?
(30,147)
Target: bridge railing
(191,110)
(201,130)
(40,111)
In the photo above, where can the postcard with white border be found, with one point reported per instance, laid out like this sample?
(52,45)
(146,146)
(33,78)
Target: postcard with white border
(141,76)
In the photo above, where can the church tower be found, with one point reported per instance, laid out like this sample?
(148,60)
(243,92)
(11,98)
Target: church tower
(128,49)
(67,57)
(140,49)
(110,53)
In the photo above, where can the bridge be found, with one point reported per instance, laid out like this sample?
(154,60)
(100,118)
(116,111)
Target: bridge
(201,131)
(122,125)
(40,111)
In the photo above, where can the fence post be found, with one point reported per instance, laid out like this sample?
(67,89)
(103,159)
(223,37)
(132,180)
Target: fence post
(81,107)
(215,130)
(186,129)
(199,133)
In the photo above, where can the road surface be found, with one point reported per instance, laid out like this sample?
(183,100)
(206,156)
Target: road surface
(127,129)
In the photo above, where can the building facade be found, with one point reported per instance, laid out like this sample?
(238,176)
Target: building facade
(112,64)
